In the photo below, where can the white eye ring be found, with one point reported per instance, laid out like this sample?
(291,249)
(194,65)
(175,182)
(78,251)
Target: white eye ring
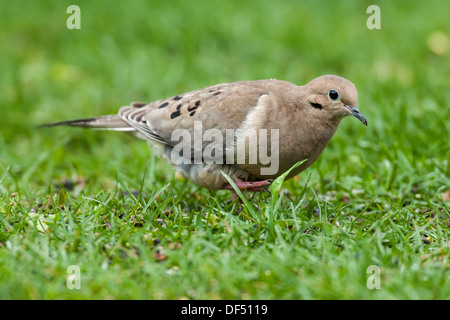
(334,95)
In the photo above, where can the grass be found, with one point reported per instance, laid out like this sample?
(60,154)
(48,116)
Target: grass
(378,196)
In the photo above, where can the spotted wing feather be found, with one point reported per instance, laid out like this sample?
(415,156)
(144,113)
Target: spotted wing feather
(223,106)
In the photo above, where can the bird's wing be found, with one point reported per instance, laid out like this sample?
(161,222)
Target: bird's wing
(221,107)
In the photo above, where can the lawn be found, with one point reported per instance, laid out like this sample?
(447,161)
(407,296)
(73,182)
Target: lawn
(373,210)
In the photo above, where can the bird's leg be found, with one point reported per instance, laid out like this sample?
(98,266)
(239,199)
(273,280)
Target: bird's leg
(251,186)
(235,196)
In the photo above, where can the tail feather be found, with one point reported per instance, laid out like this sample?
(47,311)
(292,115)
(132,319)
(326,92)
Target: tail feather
(109,122)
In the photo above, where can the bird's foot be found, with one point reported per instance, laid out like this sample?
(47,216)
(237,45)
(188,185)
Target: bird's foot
(252,186)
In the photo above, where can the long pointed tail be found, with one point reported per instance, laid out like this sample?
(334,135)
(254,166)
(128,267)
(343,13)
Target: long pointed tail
(109,122)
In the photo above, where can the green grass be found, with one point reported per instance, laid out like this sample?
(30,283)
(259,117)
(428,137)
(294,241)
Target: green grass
(377,195)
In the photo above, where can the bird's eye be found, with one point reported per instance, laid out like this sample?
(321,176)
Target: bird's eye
(333,94)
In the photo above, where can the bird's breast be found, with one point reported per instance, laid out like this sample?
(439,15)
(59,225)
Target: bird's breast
(304,140)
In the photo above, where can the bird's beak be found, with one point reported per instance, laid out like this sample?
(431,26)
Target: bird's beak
(356,113)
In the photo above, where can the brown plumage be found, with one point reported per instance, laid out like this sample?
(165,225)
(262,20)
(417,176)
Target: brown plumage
(303,117)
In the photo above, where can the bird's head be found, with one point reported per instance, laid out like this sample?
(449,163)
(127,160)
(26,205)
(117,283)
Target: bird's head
(335,96)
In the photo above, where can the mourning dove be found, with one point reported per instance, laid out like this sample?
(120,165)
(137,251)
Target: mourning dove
(253,131)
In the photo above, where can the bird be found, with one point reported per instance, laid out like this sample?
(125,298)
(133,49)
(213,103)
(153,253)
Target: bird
(253,131)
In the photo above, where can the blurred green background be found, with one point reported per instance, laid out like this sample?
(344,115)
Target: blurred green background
(148,50)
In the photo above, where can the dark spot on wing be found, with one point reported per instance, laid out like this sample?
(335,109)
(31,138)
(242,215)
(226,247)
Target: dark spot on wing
(192,113)
(175,114)
(192,108)
(165,104)
(217,93)
(177,98)
(179,106)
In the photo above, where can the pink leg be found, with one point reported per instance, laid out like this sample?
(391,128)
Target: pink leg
(235,196)
(251,186)
(248,186)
